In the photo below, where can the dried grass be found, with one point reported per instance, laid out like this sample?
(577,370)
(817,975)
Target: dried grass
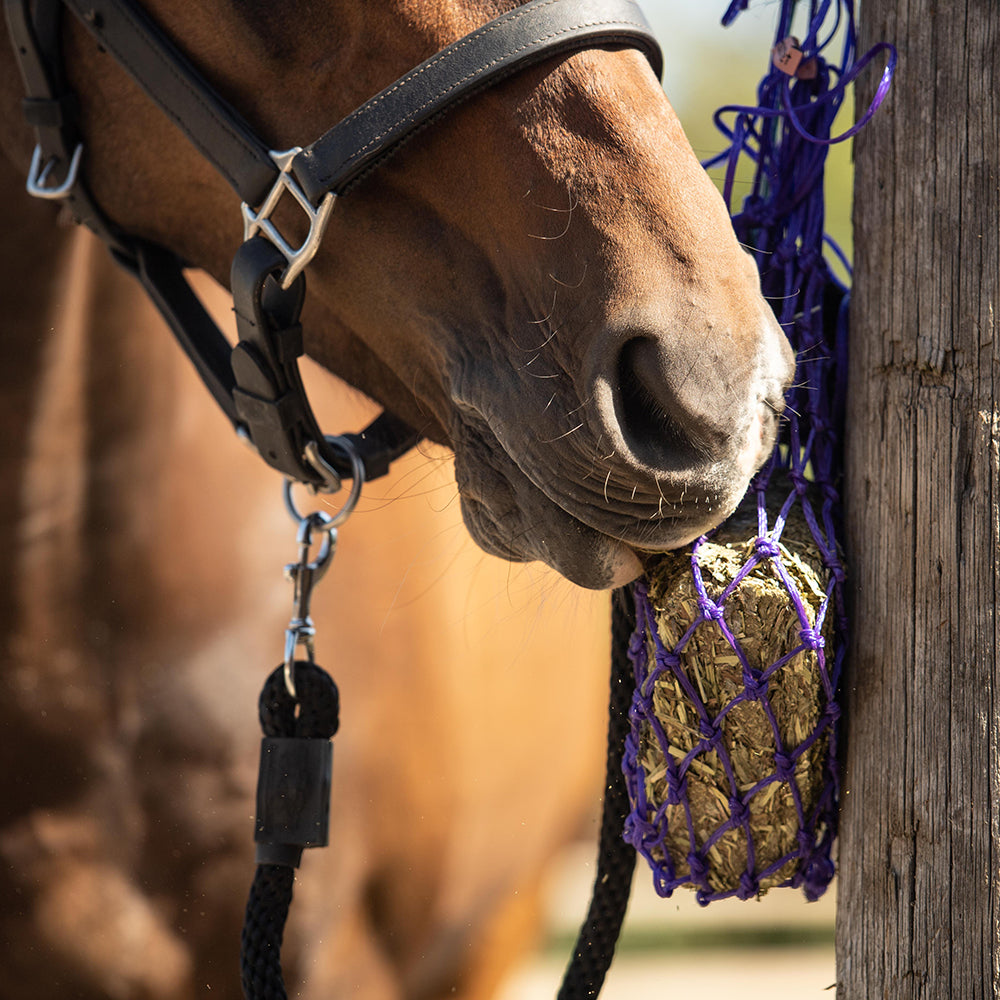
(765,623)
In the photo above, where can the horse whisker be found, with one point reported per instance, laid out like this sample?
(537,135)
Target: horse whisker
(572,430)
(564,284)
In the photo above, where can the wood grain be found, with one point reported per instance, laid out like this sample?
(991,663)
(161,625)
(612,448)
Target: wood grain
(919,889)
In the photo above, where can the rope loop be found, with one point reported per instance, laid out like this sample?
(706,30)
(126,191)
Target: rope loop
(314,714)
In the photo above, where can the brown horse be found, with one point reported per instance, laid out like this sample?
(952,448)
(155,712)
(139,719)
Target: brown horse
(143,610)
(546,283)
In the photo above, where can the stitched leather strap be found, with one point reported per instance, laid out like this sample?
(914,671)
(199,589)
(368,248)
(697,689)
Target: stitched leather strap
(217,130)
(529,34)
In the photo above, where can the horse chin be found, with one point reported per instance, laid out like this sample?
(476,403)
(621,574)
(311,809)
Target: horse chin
(582,555)
(510,515)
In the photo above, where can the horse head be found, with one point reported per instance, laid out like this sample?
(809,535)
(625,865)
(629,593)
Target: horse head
(545,281)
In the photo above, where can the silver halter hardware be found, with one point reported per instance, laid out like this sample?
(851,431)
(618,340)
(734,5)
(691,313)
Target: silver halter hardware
(306,573)
(260,221)
(38,175)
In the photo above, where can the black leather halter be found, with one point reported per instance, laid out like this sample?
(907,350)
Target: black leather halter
(257,384)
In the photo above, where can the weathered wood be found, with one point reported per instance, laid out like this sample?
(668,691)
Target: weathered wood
(919,891)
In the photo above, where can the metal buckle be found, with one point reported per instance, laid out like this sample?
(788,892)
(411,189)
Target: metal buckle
(260,221)
(38,175)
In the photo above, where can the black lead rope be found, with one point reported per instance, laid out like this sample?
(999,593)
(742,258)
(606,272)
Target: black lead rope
(595,946)
(293,812)
(293,796)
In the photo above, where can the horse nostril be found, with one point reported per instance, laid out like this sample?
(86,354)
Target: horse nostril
(660,430)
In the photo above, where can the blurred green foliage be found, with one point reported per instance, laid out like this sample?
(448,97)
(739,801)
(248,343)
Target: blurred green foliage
(708,66)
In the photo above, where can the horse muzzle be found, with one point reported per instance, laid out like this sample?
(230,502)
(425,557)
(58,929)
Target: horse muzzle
(665,449)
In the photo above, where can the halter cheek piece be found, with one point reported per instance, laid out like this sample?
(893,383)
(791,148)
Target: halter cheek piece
(257,383)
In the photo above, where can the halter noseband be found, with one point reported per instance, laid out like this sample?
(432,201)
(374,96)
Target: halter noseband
(257,383)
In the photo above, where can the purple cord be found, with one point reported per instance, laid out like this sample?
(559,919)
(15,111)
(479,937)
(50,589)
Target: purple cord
(787,136)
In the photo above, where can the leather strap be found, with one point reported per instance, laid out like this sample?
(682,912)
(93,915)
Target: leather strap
(254,383)
(50,108)
(267,392)
(384,440)
(215,128)
(269,397)
(37,47)
(527,35)
(162,275)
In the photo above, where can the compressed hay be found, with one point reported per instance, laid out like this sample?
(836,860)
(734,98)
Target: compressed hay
(722,719)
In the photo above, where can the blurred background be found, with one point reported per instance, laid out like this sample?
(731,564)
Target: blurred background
(779,947)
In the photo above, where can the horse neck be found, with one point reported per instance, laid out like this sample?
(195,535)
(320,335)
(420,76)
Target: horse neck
(35,259)
(79,409)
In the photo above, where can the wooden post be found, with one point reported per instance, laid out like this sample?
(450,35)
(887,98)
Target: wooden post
(919,890)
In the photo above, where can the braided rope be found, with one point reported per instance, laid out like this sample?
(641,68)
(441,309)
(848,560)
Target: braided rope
(595,947)
(318,717)
(263,930)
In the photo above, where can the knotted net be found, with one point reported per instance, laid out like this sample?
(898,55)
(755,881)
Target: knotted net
(731,758)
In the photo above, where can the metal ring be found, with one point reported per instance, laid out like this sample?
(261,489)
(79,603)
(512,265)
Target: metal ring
(357,475)
(357,482)
(296,515)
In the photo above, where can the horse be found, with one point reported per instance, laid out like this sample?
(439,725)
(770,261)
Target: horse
(544,283)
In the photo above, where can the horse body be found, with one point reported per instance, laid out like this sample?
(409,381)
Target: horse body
(545,282)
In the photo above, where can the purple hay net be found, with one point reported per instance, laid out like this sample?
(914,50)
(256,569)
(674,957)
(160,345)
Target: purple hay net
(786,136)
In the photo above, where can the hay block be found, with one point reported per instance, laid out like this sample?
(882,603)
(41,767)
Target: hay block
(733,753)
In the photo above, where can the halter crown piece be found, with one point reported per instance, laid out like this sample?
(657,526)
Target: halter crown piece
(257,382)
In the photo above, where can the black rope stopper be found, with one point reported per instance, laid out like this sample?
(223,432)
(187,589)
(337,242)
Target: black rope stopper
(595,947)
(293,812)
